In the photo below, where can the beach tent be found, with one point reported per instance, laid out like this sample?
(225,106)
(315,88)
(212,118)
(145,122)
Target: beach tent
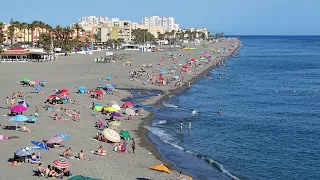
(125,134)
(25,151)
(160,167)
(79,177)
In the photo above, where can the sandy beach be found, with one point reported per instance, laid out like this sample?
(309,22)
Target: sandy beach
(72,71)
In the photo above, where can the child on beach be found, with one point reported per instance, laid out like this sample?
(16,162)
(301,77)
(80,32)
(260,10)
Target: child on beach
(133,145)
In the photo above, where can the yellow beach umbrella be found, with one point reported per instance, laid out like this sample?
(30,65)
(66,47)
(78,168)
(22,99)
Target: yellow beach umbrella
(32,82)
(111,109)
(161,167)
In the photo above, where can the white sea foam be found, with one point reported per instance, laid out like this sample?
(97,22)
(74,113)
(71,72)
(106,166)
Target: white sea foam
(168,138)
(169,105)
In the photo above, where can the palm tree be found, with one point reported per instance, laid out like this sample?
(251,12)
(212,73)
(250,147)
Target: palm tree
(24,26)
(1,33)
(34,25)
(96,37)
(58,32)
(77,27)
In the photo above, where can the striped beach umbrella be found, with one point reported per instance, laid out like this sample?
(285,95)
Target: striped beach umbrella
(61,163)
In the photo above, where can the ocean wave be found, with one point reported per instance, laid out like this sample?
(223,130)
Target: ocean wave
(160,122)
(167,138)
(169,105)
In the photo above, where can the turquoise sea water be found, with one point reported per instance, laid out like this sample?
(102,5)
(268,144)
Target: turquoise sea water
(269,128)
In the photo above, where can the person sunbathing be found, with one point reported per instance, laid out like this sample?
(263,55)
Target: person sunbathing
(101,150)
(58,118)
(25,129)
(75,102)
(14,163)
(41,170)
(67,153)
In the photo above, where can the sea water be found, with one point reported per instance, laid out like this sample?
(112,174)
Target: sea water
(269,127)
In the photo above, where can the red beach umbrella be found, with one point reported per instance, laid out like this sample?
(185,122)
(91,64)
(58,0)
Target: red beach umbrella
(127,104)
(98,91)
(61,163)
(64,90)
(18,108)
(52,96)
(64,94)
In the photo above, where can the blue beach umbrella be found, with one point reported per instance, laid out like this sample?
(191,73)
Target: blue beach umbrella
(64,136)
(97,104)
(175,77)
(109,77)
(164,72)
(25,151)
(19,118)
(40,144)
(38,88)
(43,82)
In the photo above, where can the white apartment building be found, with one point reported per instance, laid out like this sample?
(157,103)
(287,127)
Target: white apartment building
(168,23)
(93,20)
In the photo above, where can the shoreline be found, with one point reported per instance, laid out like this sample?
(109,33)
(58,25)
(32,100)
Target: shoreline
(142,132)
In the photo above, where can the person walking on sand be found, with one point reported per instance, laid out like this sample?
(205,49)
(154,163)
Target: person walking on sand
(133,145)
(181,124)
(189,83)
(36,113)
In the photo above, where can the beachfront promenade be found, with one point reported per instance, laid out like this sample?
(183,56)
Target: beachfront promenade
(169,70)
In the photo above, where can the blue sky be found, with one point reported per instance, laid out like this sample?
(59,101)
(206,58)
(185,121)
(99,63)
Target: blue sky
(233,17)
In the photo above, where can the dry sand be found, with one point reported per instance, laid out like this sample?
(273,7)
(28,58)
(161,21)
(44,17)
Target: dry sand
(68,73)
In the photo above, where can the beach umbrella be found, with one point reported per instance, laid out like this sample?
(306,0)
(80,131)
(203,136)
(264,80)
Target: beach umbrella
(111,135)
(138,106)
(175,77)
(160,167)
(111,109)
(129,112)
(56,139)
(43,83)
(38,88)
(52,96)
(98,91)
(79,177)
(115,114)
(97,104)
(32,118)
(64,94)
(116,106)
(184,177)
(18,108)
(97,108)
(108,86)
(23,102)
(115,123)
(164,72)
(64,90)
(125,134)
(25,79)
(109,77)
(19,118)
(127,104)
(25,151)
(61,163)
(40,144)
(32,82)
(63,136)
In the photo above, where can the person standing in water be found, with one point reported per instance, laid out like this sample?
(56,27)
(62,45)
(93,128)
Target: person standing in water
(189,125)
(181,124)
